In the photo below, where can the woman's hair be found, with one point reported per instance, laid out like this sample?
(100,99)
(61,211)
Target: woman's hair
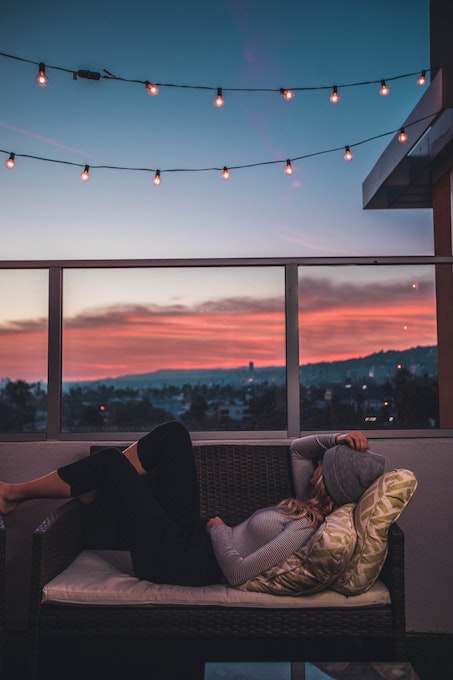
(316,507)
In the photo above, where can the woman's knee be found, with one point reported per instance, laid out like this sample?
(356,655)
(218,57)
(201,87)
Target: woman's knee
(173,427)
(162,442)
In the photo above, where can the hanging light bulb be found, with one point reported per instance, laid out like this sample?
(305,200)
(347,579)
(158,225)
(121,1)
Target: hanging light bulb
(287,94)
(422,79)
(9,163)
(402,137)
(157,180)
(385,90)
(348,155)
(225,172)
(335,97)
(152,89)
(42,78)
(219,100)
(289,168)
(85,175)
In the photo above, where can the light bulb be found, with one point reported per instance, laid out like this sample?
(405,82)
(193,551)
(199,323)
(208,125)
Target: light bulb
(335,97)
(219,100)
(289,168)
(402,137)
(10,162)
(85,175)
(287,94)
(384,91)
(42,78)
(157,180)
(152,89)
(225,173)
(422,79)
(348,155)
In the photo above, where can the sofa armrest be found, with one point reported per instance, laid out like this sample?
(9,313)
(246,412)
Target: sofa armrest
(56,543)
(393,575)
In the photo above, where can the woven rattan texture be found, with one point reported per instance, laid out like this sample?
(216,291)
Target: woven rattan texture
(189,621)
(237,480)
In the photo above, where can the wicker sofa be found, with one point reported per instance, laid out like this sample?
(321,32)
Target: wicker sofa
(235,479)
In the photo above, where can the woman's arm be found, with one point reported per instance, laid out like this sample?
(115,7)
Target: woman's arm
(303,451)
(238,569)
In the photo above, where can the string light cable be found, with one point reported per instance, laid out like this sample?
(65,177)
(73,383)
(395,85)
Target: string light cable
(153,87)
(402,136)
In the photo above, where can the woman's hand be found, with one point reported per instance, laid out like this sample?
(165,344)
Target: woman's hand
(356,440)
(214,521)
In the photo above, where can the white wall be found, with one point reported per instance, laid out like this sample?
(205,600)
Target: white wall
(427,523)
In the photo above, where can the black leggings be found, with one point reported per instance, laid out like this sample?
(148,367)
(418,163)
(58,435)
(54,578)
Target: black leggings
(169,542)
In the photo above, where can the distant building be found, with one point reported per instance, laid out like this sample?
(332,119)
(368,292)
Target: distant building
(236,411)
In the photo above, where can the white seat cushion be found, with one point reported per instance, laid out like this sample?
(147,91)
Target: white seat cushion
(105,577)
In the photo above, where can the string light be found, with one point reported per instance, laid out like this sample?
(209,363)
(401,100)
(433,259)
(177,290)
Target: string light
(10,162)
(348,155)
(287,94)
(422,79)
(335,97)
(289,168)
(402,137)
(385,90)
(157,180)
(225,173)
(42,78)
(219,100)
(152,89)
(85,175)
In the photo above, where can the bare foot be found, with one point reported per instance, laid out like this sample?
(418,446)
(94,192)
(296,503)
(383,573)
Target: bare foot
(6,505)
(88,497)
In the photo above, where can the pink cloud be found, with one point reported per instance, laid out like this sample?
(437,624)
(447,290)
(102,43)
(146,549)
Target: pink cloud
(338,320)
(46,140)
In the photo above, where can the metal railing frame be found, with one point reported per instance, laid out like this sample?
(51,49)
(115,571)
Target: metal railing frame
(291,268)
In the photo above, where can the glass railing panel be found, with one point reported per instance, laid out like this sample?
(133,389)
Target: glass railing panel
(23,350)
(368,347)
(205,345)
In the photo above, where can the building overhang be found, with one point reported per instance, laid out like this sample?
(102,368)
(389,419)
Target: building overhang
(405,173)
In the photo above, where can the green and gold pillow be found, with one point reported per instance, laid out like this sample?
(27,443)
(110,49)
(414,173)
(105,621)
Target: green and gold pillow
(380,506)
(315,566)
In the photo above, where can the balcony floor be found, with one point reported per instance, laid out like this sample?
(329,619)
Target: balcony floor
(430,655)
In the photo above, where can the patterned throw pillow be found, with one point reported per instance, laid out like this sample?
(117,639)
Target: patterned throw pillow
(380,506)
(315,566)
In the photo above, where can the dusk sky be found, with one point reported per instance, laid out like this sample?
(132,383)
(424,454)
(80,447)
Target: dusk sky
(49,213)
(340,319)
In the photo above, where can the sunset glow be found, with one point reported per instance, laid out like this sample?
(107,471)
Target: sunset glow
(337,321)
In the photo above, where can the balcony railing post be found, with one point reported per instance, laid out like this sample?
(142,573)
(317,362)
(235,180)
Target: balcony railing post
(54,385)
(292,349)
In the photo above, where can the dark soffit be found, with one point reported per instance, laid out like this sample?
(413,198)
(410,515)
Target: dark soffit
(404,174)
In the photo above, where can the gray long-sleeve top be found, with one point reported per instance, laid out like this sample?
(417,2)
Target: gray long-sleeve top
(268,536)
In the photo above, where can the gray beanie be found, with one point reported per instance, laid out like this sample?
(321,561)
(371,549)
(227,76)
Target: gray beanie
(348,473)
